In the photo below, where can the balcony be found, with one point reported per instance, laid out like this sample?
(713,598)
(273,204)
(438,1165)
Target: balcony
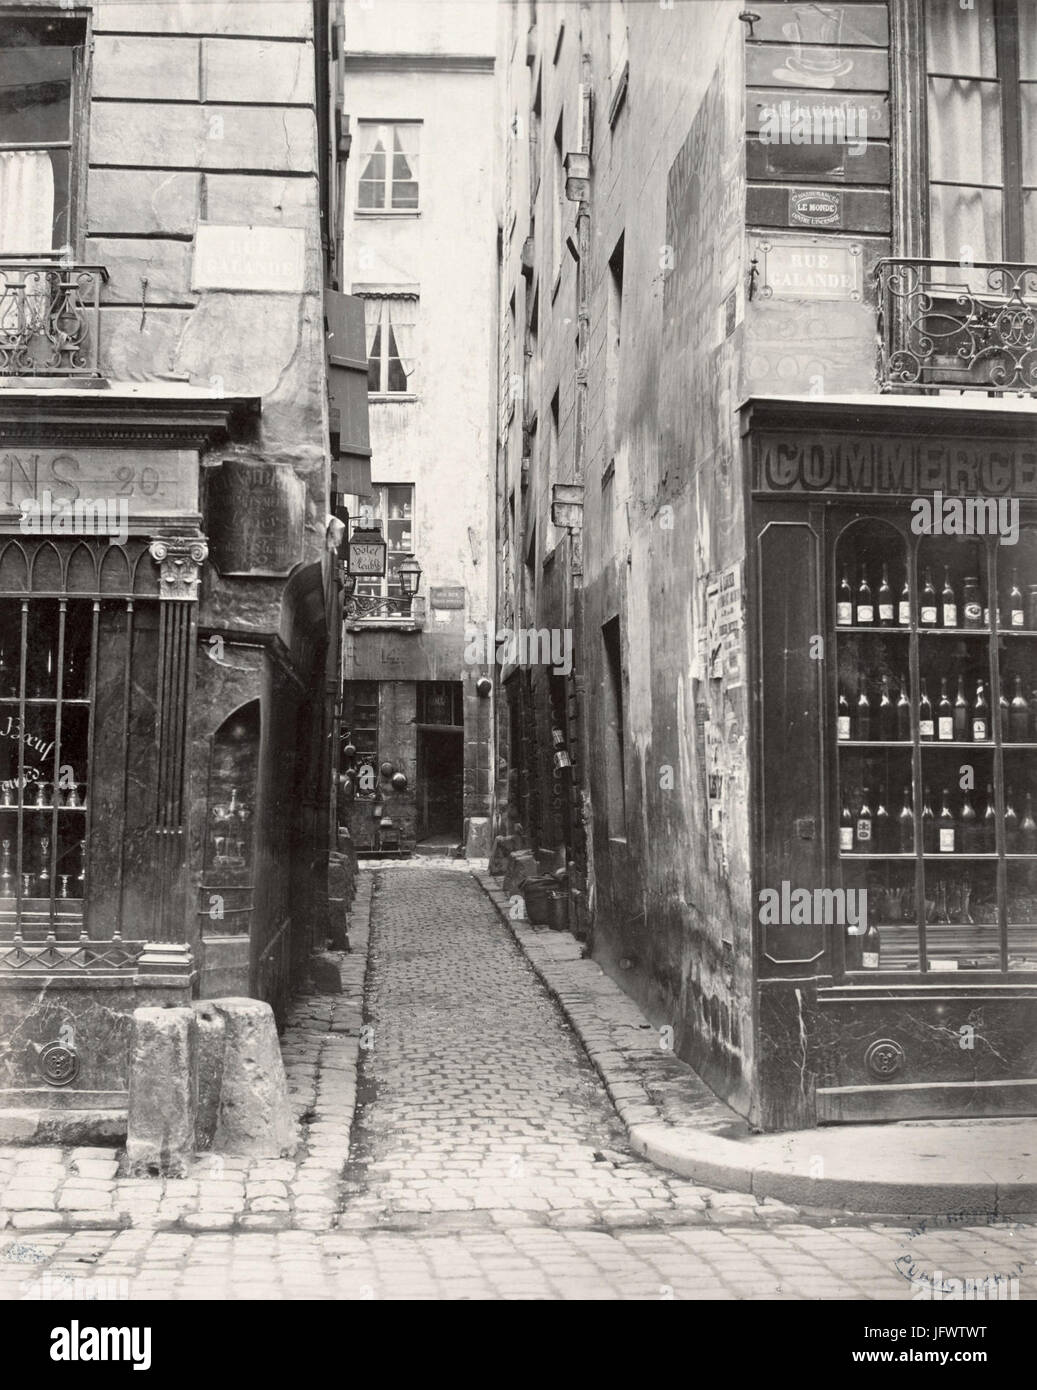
(49,319)
(966,328)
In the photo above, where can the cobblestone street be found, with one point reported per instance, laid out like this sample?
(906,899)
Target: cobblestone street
(487,1161)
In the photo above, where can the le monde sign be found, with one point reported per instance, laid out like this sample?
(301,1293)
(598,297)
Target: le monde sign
(144,483)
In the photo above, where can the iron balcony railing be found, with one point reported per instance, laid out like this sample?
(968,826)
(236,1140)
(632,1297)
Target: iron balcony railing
(49,319)
(946,324)
(361,606)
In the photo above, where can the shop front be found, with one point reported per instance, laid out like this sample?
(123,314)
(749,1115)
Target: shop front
(103,555)
(893,569)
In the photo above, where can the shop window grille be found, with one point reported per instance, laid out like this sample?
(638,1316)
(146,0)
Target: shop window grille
(76,736)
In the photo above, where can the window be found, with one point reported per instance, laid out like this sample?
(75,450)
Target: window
(441,702)
(390,332)
(388,167)
(392,508)
(614,329)
(360,727)
(41,63)
(618,62)
(558,191)
(534,143)
(981,74)
(615,751)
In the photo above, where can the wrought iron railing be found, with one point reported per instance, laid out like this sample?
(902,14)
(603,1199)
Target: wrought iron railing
(378,606)
(49,319)
(970,327)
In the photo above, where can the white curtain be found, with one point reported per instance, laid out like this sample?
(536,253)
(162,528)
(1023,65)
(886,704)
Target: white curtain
(964,123)
(26,202)
(403,315)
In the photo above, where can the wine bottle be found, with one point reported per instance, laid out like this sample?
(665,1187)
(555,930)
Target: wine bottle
(846,829)
(928,614)
(885,600)
(1031,607)
(930,839)
(946,826)
(961,713)
(926,728)
(988,838)
(972,608)
(863,842)
(844,603)
(1016,608)
(882,829)
(42,685)
(1002,710)
(870,947)
(6,873)
(1011,825)
(944,713)
(1019,715)
(842,720)
(865,603)
(971,833)
(1028,829)
(948,602)
(863,729)
(980,716)
(904,609)
(887,714)
(906,825)
(903,714)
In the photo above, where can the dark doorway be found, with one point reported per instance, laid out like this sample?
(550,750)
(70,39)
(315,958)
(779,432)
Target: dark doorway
(440,780)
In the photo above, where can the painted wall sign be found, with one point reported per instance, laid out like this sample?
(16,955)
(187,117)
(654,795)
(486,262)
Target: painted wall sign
(808,269)
(254,518)
(794,463)
(815,207)
(152,482)
(447,596)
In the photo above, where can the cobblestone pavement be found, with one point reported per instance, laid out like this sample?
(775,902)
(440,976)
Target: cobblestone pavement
(487,1161)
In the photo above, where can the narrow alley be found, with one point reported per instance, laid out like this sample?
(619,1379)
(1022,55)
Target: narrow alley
(486,1161)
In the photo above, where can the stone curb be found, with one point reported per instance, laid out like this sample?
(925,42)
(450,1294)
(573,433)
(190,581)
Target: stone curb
(713,1161)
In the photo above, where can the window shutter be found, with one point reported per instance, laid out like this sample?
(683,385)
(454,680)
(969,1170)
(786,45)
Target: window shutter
(347,390)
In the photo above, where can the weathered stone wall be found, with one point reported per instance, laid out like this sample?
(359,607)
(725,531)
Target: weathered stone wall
(663,515)
(202,200)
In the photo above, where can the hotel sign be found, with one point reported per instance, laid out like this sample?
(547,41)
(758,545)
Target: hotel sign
(861,464)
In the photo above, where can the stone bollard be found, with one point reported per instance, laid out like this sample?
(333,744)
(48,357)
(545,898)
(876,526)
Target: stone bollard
(255,1117)
(210,1040)
(160,1134)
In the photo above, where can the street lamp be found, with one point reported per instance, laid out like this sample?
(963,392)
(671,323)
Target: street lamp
(408,572)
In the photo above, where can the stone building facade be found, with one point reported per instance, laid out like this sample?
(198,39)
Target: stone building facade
(420,253)
(757,278)
(169,257)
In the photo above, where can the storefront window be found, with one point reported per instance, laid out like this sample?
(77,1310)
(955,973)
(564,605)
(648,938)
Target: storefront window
(936,747)
(46,647)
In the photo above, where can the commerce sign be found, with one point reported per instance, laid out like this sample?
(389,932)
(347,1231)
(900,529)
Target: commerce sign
(791,463)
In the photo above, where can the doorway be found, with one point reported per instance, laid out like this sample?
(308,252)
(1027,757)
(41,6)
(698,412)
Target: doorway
(440,784)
